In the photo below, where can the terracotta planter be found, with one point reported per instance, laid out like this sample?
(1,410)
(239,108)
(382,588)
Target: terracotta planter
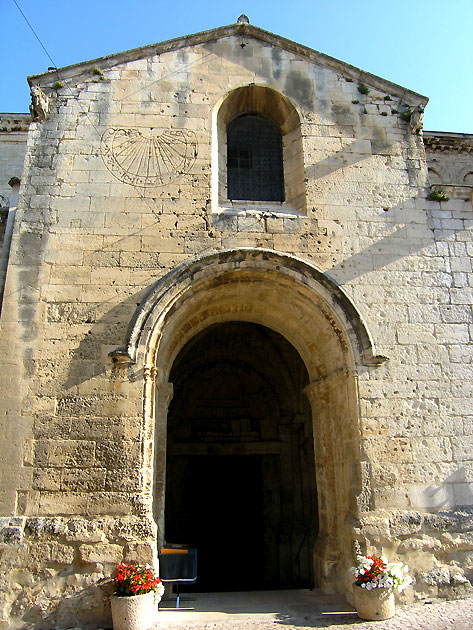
(374,605)
(134,613)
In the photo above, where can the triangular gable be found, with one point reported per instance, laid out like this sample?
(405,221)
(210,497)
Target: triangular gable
(238,29)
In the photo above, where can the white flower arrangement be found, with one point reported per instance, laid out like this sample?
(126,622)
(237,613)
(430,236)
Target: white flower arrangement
(376,572)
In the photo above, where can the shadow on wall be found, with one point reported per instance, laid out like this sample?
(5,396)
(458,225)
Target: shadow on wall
(456,490)
(382,252)
(51,608)
(107,332)
(357,151)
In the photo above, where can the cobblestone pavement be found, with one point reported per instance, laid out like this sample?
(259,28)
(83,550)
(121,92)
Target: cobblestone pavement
(426,615)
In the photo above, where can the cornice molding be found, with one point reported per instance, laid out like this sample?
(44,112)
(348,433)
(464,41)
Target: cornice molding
(14,123)
(444,142)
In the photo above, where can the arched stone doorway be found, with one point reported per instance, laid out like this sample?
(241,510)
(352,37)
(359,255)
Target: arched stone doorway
(240,455)
(295,300)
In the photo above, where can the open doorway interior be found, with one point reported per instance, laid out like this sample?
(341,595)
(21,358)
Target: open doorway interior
(240,476)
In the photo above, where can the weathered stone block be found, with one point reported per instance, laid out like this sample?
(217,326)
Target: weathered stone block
(462,448)
(140,260)
(131,528)
(463,494)
(433,449)
(419,544)
(110,454)
(157,243)
(457,542)
(46,479)
(398,448)
(456,520)
(405,523)
(68,453)
(83,480)
(84,530)
(52,503)
(125,480)
(71,313)
(62,554)
(105,428)
(101,552)
(37,555)
(11,535)
(250,224)
(110,504)
(41,527)
(436,576)
(227,223)
(385,498)
(139,553)
(432,496)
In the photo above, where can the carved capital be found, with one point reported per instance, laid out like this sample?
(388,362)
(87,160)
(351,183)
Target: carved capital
(165,392)
(120,358)
(318,388)
(150,373)
(164,389)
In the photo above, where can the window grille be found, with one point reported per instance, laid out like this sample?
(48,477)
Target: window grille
(254,160)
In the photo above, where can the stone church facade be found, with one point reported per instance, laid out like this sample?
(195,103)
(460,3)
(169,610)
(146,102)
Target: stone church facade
(238,315)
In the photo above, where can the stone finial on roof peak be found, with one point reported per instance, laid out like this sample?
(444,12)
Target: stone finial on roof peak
(243,19)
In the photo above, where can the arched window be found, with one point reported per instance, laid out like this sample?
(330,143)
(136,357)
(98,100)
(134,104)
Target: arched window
(254,160)
(257,153)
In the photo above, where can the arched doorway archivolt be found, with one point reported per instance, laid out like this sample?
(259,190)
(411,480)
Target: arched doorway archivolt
(193,282)
(295,299)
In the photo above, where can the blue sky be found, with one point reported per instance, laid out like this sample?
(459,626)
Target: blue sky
(424,45)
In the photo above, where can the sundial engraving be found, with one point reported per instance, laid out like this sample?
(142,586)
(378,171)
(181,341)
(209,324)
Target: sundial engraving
(144,159)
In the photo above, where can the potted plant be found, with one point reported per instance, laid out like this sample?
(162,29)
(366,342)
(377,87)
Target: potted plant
(375,581)
(136,593)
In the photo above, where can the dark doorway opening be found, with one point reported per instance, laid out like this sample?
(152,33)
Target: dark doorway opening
(220,514)
(240,480)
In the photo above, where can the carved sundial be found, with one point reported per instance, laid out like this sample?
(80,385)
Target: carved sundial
(143,158)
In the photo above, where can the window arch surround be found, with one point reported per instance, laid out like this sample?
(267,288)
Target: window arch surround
(271,105)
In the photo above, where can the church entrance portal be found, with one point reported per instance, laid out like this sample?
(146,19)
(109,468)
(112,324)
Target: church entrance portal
(240,474)
(233,348)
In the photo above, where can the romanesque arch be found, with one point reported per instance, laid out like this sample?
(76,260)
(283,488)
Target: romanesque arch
(296,300)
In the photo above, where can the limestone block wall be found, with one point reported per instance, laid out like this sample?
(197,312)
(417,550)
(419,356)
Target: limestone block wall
(425,417)
(92,236)
(417,430)
(13,132)
(450,163)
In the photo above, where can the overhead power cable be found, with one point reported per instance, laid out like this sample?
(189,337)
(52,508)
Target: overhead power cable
(35,34)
